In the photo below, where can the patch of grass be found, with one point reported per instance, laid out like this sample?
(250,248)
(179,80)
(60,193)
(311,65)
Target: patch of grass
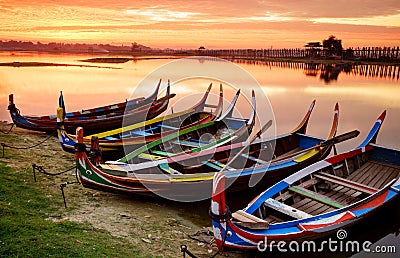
(26,229)
(34,222)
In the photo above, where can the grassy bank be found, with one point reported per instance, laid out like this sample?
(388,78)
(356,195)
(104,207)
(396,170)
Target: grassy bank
(34,222)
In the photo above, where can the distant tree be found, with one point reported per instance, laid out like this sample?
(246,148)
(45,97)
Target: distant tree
(332,46)
(135,47)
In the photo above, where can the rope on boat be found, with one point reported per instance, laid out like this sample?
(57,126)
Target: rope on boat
(9,130)
(3,145)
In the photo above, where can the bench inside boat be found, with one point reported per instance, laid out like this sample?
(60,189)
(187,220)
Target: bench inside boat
(340,185)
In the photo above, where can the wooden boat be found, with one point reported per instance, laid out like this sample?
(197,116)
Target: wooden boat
(186,139)
(115,142)
(225,130)
(193,180)
(96,119)
(318,200)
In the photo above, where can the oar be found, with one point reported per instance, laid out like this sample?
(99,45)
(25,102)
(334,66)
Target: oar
(334,140)
(257,135)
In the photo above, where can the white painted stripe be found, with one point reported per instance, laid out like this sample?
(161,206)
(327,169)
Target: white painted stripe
(306,171)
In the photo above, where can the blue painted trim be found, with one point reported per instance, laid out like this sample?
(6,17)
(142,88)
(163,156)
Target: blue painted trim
(371,134)
(265,195)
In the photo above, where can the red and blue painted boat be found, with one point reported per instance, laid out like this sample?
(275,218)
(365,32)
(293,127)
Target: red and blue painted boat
(316,201)
(95,119)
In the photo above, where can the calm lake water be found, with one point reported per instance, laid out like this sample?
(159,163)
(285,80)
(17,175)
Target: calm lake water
(362,93)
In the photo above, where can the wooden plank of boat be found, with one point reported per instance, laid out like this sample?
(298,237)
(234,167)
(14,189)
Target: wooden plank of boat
(315,196)
(162,153)
(306,184)
(211,165)
(150,156)
(168,126)
(347,183)
(286,209)
(258,161)
(188,143)
(166,168)
(247,220)
(216,143)
(220,164)
(381,175)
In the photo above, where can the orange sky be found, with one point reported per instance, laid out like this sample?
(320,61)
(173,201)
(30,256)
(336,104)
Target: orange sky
(213,24)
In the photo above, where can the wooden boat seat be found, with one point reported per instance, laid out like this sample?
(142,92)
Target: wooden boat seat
(286,209)
(149,156)
(168,126)
(211,165)
(163,153)
(286,195)
(142,133)
(166,168)
(316,196)
(249,221)
(346,183)
(215,164)
(198,141)
(188,143)
(110,138)
(258,161)
(222,165)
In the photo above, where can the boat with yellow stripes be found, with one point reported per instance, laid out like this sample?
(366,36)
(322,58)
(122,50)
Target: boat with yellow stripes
(188,176)
(223,131)
(113,143)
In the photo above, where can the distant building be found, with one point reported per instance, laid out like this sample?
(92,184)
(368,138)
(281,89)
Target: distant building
(314,49)
(202,48)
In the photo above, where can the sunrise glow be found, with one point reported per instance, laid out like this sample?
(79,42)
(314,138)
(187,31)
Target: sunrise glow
(213,24)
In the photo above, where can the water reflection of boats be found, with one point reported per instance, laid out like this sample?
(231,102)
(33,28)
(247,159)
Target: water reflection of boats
(324,198)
